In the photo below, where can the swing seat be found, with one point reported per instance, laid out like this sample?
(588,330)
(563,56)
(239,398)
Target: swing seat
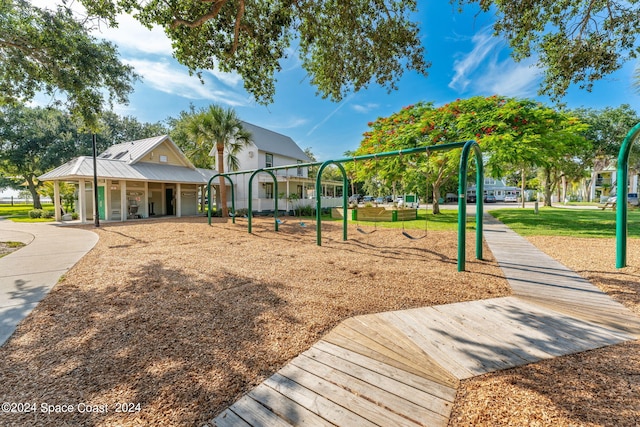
(360,230)
(279,221)
(409,236)
(302,224)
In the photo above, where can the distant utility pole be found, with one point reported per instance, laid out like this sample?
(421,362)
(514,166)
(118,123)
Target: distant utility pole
(96,215)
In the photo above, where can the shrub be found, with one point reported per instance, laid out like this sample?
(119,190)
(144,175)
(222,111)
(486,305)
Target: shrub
(35,213)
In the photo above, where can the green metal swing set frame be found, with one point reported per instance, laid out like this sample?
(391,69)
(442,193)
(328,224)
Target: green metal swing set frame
(468,148)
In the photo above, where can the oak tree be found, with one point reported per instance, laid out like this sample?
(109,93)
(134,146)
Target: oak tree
(51,51)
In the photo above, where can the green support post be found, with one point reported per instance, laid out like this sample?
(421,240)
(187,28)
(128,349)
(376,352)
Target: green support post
(233,197)
(345,185)
(622,183)
(462,202)
(275,195)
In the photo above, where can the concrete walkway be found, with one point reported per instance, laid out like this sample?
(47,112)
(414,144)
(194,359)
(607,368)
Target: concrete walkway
(403,368)
(29,273)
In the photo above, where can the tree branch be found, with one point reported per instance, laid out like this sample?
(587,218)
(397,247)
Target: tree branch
(215,10)
(236,29)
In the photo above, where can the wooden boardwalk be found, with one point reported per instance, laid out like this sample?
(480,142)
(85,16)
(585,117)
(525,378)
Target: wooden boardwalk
(402,368)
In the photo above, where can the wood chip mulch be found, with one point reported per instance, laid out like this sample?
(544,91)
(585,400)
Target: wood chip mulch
(182,318)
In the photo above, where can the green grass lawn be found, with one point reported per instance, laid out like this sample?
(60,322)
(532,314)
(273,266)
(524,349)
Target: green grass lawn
(549,221)
(566,222)
(447,220)
(20,213)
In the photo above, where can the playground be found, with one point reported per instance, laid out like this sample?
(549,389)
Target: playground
(242,305)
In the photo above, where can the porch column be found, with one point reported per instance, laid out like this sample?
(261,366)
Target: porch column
(56,200)
(124,203)
(286,195)
(82,200)
(107,199)
(178,201)
(145,208)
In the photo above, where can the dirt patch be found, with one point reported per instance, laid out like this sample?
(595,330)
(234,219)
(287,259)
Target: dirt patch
(594,388)
(7,247)
(182,318)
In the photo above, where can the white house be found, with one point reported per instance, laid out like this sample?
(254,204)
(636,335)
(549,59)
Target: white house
(152,177)
(605,184)
(270,149)
(495,187)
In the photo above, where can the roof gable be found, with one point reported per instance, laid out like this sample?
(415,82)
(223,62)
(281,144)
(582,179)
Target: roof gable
(275,143)
(133,152)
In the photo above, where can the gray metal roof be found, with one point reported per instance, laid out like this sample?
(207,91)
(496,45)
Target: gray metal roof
(82,167)
(275,143)
(131,152)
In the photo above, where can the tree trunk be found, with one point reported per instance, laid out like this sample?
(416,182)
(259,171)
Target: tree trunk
(436,198)
(34,193)
(522,187)
(222,183)
(548,188)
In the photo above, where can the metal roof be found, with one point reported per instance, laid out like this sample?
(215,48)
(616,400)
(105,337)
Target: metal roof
(272,142)
(131,152)
(82,167)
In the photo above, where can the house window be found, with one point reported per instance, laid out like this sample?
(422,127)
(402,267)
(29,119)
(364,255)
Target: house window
(268,160)
(299,192)
(299,168)
(164,159)
(268,190)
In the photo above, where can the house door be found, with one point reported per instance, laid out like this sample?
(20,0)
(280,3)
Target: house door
(169,198)
(101,207)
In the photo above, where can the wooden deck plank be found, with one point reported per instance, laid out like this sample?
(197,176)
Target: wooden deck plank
(229,419)
(501,330)
(384,333)
(389,336)
(257,415)
(349,339)
(383,398)
(438,404)
(477,323)
(320,405)
(445,391)
(286,408)
(433,344)
(356,404)
(624,323)
(456,344)
(596,333)
(476,353)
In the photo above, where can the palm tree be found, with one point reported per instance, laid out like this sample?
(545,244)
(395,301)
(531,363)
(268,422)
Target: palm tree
(218,129)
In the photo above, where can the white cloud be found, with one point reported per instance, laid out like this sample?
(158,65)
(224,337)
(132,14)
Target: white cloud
(483,45)
(132,36)
(162,76)
(481,70)
(509,78)
(290,123)
(365,108)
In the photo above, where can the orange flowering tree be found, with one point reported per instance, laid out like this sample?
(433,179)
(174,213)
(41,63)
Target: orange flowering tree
(515,134)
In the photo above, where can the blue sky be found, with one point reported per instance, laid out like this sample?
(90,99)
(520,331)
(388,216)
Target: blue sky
(466,61)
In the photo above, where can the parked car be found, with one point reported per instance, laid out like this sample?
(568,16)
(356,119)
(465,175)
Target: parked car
(355,198)
(489,198)
(379,199)
(368,199)
(388,199)
(400,202)
(471,198)
(511,198)
(632,198)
